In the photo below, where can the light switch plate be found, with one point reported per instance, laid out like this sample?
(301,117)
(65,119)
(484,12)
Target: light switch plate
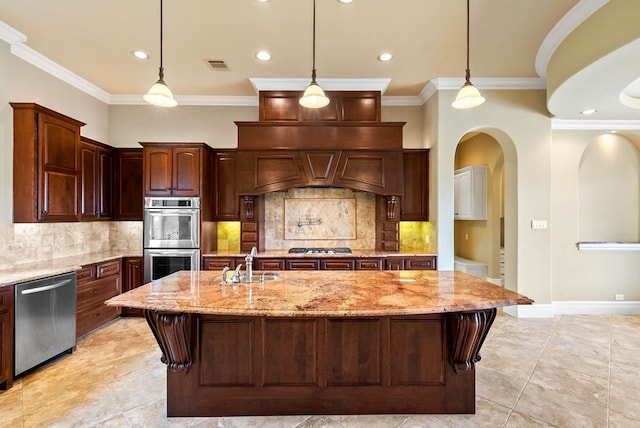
(538,224)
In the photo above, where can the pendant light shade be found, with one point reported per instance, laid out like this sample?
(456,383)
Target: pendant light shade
(468,96)
(160,95)
(314,96)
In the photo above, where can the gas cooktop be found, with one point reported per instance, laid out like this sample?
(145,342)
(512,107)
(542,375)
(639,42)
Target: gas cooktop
(320,250)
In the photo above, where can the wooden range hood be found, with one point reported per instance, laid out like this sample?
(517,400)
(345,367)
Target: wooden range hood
(342,145)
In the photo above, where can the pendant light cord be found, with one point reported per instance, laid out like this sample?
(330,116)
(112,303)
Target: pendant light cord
(161,67)
(313,50)
(468,72)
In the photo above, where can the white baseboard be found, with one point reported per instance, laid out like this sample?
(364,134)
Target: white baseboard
(573,308)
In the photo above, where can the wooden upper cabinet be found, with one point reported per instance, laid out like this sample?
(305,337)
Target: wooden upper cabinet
(171,170)
(45,164)
(414,205)
(226,202)
(370,171)
(128,184)
(96,180)
(344,106)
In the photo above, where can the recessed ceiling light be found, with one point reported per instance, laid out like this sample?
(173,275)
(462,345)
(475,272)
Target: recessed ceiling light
(262,1)
(263,55)
(140,54)
(345,1)
(588,111)
(385,56)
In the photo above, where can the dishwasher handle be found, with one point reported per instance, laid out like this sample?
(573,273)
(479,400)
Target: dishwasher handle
(46,287)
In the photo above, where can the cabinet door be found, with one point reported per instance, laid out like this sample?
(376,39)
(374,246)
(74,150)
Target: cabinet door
(394,263)
(88,181)
(105,184)
(186,172)
(58,144)
(157,171)
(414,205)
(128,185)
(133,277)
(6,337)
(227,203)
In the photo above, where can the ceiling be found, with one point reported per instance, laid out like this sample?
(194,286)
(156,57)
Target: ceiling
(95,39)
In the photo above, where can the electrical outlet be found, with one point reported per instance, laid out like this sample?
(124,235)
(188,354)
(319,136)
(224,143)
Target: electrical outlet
(538,224)
(619,297)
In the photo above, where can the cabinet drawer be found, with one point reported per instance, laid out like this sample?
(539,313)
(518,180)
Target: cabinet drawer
(338,264)
(85,274)
(269,264)
(108,268)
(303,264)
(420,263)
(6,298)
(96,292)
(215,263)
(90,318)
(369,264)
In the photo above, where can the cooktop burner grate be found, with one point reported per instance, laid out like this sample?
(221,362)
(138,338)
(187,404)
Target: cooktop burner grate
(320,250)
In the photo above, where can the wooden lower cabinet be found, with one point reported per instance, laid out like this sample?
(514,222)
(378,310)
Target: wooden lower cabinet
(6,337)
(336,263)
(132,277)
(411,263)
(97,283)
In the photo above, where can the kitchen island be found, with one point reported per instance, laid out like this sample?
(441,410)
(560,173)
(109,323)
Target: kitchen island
(350,342)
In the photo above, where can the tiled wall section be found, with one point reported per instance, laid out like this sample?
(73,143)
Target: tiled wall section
(365,218)
(417,236)
(229,236)
(34,242)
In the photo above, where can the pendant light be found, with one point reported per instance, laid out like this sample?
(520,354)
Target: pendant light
(314,96)
(468,96)
(160,95)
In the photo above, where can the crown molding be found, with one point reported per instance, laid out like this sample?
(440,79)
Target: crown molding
(296,84)
(596,125)
(191,100)
(569,22)
(11,35)
(36,59)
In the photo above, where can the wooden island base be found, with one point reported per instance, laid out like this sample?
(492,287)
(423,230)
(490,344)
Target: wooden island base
(237,365)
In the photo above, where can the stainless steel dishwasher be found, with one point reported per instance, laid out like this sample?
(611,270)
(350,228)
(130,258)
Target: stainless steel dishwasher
(45,320)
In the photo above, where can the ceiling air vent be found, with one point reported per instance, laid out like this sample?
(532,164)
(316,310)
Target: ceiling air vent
(217,64)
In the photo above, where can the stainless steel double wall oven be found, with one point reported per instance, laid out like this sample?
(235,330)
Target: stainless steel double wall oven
(171,236)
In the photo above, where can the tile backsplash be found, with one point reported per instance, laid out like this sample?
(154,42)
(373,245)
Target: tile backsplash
(35,242)
(319,217)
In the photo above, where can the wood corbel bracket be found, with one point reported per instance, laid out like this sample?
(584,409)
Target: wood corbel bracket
(468,332)
(170,331)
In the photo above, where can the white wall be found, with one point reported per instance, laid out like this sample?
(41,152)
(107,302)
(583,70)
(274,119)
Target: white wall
(592,275)
(519,122)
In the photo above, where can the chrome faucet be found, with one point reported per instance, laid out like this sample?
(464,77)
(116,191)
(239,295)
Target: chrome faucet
(249,261)
(224,274)
(236,274)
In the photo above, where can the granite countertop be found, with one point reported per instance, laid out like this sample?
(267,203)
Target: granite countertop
(321,293)
(35,270)
(354,253)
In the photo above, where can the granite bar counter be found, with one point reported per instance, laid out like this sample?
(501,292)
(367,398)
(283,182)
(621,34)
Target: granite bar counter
(311,342)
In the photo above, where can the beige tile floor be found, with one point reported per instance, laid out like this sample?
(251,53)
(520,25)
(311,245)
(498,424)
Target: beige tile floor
(569,371)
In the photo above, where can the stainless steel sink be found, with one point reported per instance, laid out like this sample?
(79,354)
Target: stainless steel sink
(265,276)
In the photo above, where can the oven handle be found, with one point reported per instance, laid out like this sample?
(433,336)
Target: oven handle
(46,287)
